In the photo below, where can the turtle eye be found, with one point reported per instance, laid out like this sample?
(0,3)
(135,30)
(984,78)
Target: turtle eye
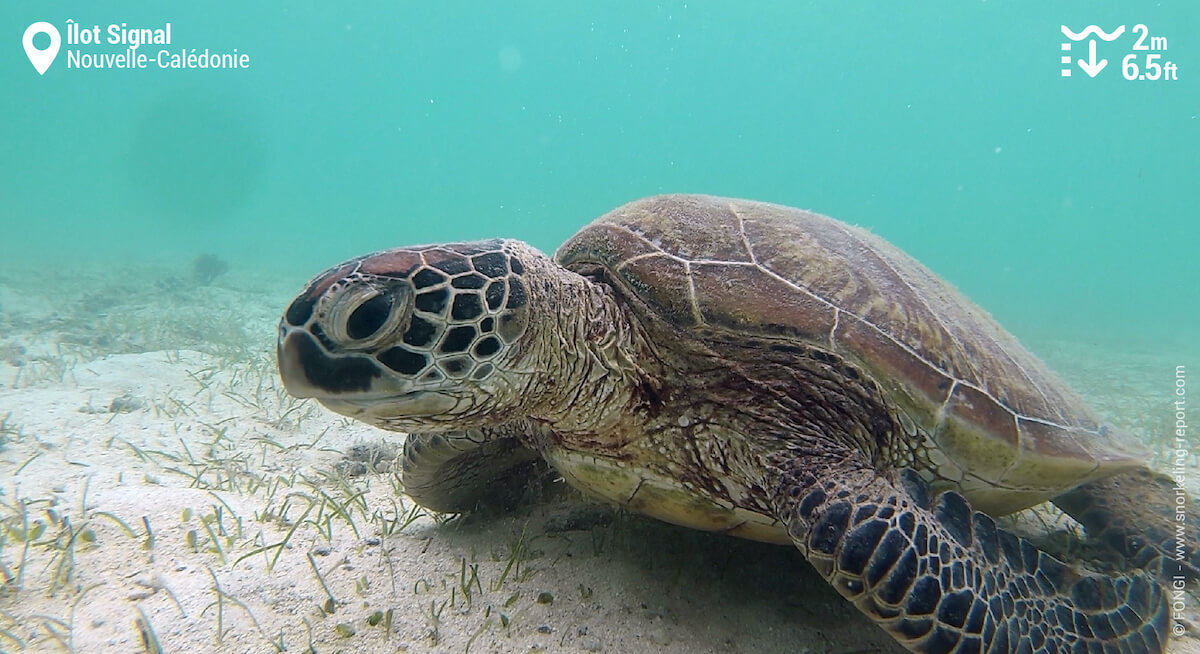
(369,317)
(360,315)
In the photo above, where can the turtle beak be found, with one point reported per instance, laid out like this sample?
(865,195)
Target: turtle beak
(308,370)
(351,384)
(291,368)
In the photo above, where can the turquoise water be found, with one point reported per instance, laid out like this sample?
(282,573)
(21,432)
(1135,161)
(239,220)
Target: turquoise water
(1066,206)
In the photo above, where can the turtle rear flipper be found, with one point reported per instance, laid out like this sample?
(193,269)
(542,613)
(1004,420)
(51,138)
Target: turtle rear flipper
(941,578)
(457,472)
(1144,516)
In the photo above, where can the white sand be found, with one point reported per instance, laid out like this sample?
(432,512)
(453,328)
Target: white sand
(133,408)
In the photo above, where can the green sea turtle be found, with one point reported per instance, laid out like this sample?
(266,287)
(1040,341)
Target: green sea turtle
(765,372)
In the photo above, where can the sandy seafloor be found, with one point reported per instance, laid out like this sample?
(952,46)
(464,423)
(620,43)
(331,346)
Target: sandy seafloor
(152,466)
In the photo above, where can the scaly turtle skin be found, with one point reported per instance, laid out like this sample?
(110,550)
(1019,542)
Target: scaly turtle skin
(765,372)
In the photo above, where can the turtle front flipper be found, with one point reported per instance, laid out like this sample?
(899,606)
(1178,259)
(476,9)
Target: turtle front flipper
(456,472)
(1143,515)
(941,578)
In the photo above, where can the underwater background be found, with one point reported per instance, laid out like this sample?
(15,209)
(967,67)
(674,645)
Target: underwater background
(154,224)
(1066,206)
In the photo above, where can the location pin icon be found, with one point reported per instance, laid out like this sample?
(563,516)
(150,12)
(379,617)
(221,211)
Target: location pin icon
(41,59)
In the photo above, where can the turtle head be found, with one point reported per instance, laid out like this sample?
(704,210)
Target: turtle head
(420,338)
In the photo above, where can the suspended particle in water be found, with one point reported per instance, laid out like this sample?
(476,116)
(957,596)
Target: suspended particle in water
(510,59)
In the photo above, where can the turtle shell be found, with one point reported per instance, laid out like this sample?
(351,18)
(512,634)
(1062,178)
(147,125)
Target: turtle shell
(994,420)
